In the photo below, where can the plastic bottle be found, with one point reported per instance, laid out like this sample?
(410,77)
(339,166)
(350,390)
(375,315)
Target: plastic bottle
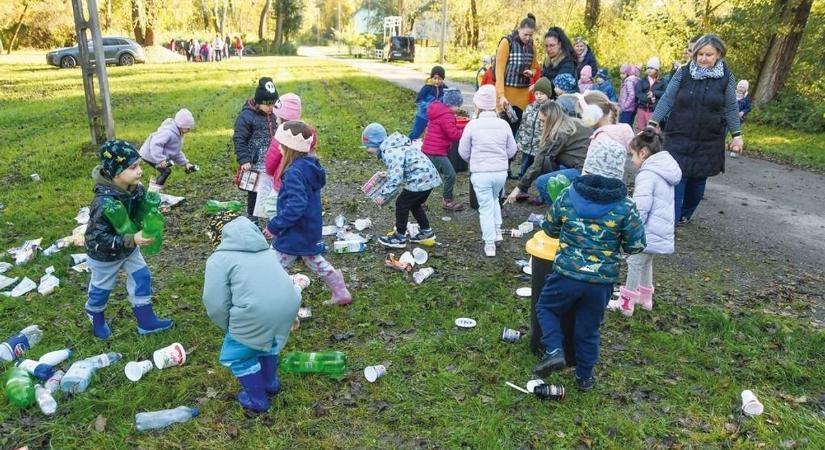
(555,185)
(104,360)
(153,229)
(35,368)
(18,344)
(160,419)
(329,363)
(118,217)
(56,357)
(151,200)
(19,387)
(78,377)
(53,384)
(215,206)
(45,400)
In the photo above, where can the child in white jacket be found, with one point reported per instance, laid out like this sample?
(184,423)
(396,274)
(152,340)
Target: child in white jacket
(488,145)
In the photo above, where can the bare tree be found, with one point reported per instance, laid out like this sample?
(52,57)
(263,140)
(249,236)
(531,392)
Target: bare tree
(17,28)
(591,14)
(474,34)
(262,22)
(279,23)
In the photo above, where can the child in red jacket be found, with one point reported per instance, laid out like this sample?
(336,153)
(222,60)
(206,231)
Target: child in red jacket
(442,131)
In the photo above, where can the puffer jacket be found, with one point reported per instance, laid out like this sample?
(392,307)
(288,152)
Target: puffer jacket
(246,292)
(487,143)
(568,150)
(442,130)
(529,132)
(252,136)
(428,94)
(593,220)
(164,144)
(627,97)
(102,241)
(297,227)
(653,194)
(406,166)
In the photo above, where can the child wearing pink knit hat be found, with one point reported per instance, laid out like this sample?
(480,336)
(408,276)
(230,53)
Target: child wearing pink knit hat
(585,79)
(164,147)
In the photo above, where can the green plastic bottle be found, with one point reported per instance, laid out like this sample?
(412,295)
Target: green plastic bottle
(19,387)
(153,229)
(150,201)
(333,364)
(215,206)
(118,217)
(557,184)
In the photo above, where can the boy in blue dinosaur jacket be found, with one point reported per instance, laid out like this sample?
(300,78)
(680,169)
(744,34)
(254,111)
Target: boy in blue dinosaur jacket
(593,219)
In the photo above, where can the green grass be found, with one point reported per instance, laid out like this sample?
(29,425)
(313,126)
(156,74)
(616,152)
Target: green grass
(671,376)
(792,146)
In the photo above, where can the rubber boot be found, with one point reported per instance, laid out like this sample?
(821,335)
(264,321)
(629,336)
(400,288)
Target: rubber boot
(269,370)
(149,323)
(629,299)
(340,294)
(100,328)
(646,297)
(253,394)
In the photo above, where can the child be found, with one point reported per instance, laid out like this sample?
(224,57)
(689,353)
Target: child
(442,131)
(585,79)
(409,169)
(593,219)
(117,178)
(253,133)
(603,84)
(742,99)
(653,191)
(627,97)
(648,91)
(166,145)
(488,145)
(564,83)
(433,89)
(249,296)
(296,230)
(529,133)
(288,108)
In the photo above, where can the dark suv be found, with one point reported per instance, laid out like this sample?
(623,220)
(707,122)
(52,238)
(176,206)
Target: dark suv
(116,50)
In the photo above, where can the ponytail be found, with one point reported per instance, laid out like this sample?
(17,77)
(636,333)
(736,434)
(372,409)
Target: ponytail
(649,138)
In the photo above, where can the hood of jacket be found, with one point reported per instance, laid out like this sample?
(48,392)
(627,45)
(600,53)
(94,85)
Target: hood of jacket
(665,166)
(311,169)
(620,132)
(170,126)
(438,109)
(241,235)
(252,107)
(594,195)
(105,186)
(395,140)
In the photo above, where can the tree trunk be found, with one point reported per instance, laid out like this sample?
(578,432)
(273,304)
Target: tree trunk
(262,22)
(151,21)
(474,32)
(108,15)
(205,14)
(1,44)
(139,20)
(279,25)
(784,43)
(17,29)
(591,14)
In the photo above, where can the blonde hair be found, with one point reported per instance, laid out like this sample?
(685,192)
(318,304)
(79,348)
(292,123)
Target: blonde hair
(598,98)
(556,122)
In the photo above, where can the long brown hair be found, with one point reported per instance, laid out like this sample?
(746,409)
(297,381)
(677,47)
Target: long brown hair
(556,122)
(290,155)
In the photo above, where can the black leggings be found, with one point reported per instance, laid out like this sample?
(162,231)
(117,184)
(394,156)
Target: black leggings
(407,202)
(163,173)
(251,198)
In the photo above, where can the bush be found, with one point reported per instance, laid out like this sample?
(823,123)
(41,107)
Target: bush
(792,110)
(287,49)
(465,58)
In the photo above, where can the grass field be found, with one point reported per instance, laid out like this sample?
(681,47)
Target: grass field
(668,379)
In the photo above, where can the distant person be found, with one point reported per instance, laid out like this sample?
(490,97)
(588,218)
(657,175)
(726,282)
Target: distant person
(743,99)
(165,147)
(227,45)
(530,131)
(585,79)
(195,50)
(432,90)
(584,56)
(217,47)
(239,47)
(560,55)
(648,92)
(627,97)
(601,82)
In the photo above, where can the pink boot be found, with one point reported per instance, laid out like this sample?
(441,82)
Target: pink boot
(628,299)
(340,294)
(646,297)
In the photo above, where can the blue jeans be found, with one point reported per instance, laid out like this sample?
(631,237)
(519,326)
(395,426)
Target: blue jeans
(526,162)
(242,360)
(587,302)
(419,125)
(542,180)
(687,196)
(104,276)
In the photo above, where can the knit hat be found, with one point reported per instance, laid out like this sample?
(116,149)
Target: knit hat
(116,156)
(485,98)
(566,83)
(602,73)
(265,93)
(288,107)
(653,63)
(373,135)
(568,103)
(544,86)
(184,119)
(295,141)
(586,73)
(743,84)
(438,70)
(452,97)
(216,224)
(605,157)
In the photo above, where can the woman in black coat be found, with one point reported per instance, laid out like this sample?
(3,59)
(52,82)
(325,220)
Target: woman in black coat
(584,57)
(560,55)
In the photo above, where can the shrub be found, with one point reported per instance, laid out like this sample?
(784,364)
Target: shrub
(792,110)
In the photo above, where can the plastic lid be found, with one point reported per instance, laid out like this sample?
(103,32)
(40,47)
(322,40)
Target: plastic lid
(542,246)
(195,411)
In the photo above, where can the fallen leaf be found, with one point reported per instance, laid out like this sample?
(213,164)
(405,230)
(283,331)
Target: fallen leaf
(486,399)
(100,424)
(731,428)
(802,399)
(380,406)
(318,410)
(459,397)
(342,336)
(232,432)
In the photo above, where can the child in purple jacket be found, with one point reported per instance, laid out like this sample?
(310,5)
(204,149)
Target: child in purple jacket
(165,147)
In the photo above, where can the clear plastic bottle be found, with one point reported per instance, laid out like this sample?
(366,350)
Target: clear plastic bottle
(53,384)
(78,377)
(160,419)
(18,344)
(45,400)
(104,360)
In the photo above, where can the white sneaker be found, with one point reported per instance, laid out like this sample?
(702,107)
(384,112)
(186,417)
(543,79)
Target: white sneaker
(490,250)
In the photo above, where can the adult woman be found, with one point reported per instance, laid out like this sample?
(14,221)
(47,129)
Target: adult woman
(515,65)
(584,56)
(700,104)
(560,54)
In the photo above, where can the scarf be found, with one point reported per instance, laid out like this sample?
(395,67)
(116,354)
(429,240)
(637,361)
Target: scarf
(698,72)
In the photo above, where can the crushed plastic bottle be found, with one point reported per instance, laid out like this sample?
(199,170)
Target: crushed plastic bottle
(18,344)
(77,379)
(161,419)
(556,185)
(340,221)
(45,400)
(19,387)
(330,363)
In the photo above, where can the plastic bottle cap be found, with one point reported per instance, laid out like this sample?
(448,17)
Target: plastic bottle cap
(195,411)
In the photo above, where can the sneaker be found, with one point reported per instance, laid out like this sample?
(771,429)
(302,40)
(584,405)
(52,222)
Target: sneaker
(423,235)
(393,240)
(683,221)
(552,361)
(490,250)
(585,384)
(452,205)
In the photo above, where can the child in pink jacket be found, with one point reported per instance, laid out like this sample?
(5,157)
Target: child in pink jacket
(627,96)
(442,131)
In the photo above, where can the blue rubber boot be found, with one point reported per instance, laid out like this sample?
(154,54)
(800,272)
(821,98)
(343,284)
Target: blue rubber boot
(149,323)
(253,394)
(269,369)
(100,328)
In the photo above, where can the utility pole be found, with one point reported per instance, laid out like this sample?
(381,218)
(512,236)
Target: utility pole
(443,29)
(340,30)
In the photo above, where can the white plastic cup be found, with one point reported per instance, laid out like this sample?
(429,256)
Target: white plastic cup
(750,405)
(531,385)
(35,177)
(420,256)
(373,373)
(407,258)
(136,370)
(173,355)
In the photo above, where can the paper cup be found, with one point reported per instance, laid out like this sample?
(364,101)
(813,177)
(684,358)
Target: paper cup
(465,322)
(173,355)
(524,292)
(136,370)
(531,385)
(372,373)
(420,256)
(750,405)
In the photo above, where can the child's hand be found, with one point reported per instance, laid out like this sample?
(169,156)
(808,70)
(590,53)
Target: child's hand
(528,73)
(380,201)
(512,197)
(163,164)
(246,166)
(141,241)
(267,233)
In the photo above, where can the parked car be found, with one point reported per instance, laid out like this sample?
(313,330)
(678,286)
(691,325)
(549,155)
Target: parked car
(116,50)
(400,48)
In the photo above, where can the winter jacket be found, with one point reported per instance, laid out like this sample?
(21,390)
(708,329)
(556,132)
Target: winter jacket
(273,159)
(442,130)
(297,227)
(744,107)
(253,133)
(607,87)
(653,194)
(407,167)
(589,60)
(566,65)
(567,150)
(102,241)
(164,144)
(627,98)
(487,143)
(246,292)
(529,132)
(642,88)
(428,94)
(593,220)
